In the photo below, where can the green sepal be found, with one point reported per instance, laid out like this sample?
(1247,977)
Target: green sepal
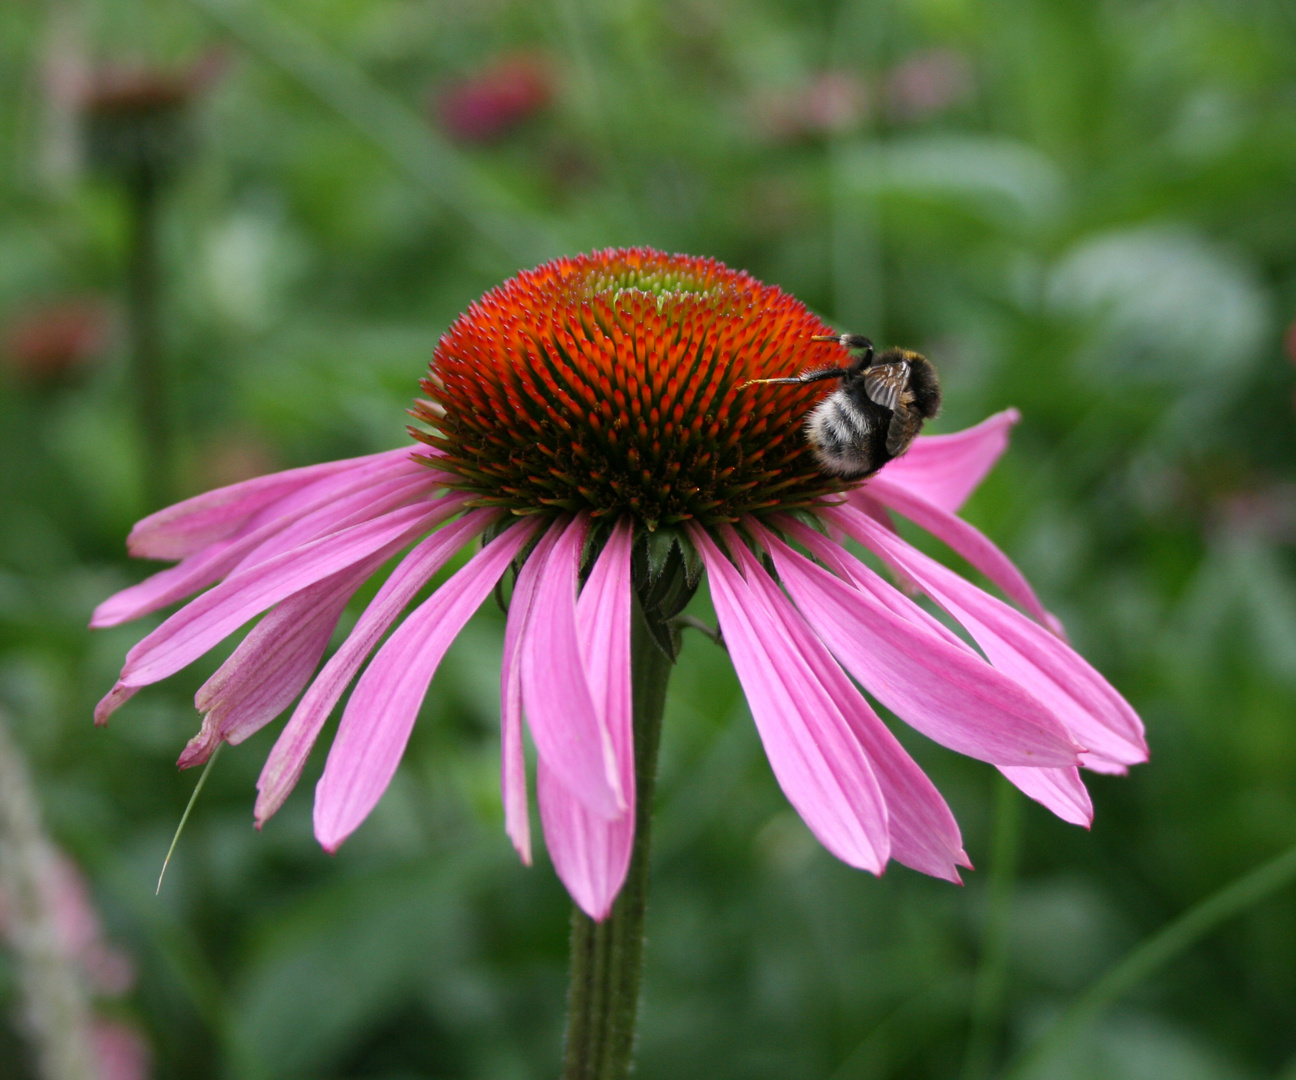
(665,570)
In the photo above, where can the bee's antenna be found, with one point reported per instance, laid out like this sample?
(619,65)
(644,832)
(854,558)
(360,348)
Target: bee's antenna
(853,342)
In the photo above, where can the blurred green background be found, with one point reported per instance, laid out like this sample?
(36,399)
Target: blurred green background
(1083,209)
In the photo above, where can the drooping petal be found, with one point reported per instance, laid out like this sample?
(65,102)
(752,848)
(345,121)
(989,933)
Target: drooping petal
(273,663)
(842,563)
(963,538)
(948,693)
(591,854)
(379,716)
(1059,790)
(324,507)
(513,779)
(946,469)
(288,756)
(195,572)
(112,701)
(924,834)
(341,513)
(217,613)
(817,760)
(1040,661)
(569,733)
(186,527)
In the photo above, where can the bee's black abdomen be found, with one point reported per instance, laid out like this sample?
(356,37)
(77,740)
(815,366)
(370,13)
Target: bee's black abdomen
(848,433)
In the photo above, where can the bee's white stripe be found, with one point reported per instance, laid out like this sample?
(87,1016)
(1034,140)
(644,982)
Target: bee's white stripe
(839,434)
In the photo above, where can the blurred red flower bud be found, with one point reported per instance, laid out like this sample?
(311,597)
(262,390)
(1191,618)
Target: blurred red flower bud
(496,99)
(121,88)
(50,342)
(136,117)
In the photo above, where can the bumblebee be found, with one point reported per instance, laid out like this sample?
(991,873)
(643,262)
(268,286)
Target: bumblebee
(878,408)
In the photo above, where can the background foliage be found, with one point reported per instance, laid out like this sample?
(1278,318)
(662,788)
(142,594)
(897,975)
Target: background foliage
(1083,209)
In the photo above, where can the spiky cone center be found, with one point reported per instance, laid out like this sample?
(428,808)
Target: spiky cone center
(613,382)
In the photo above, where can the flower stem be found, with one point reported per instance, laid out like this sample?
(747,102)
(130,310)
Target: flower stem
(607,956)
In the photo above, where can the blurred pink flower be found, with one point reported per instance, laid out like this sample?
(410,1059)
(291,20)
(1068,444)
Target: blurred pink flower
(927,83)
(830,103)
(64,895)
(51,342)
(496,99)
(603,398)
(119,1050)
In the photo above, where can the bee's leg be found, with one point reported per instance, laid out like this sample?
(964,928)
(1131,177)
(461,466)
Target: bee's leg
(804,377)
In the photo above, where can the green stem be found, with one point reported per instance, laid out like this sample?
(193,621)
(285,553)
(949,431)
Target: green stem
(987,999)
(1173,940)
(607,956)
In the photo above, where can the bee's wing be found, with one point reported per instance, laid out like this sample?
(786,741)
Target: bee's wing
(885,383)
(904,425)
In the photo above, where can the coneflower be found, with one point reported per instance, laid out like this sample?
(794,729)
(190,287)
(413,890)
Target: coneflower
(591,420)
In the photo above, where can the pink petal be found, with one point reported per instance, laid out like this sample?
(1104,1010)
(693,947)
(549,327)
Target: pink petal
(962,538)
(590,854)
(343,512)
(201,747)
(569,733)
(1041,662)
(1060,790)
(379,716)
(273,663)
(288,756)
(924,834)
(217,613)
(165,587)
(846,566)
(513,779)
(815,756)
(112,701)
(322,508)
(946,692)
(946,469)
(187,526)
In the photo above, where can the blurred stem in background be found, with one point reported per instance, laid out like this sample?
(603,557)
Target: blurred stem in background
(992,975)
(1172,941)
(139,133)
(148,369)
(56,1006)
(607,956)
